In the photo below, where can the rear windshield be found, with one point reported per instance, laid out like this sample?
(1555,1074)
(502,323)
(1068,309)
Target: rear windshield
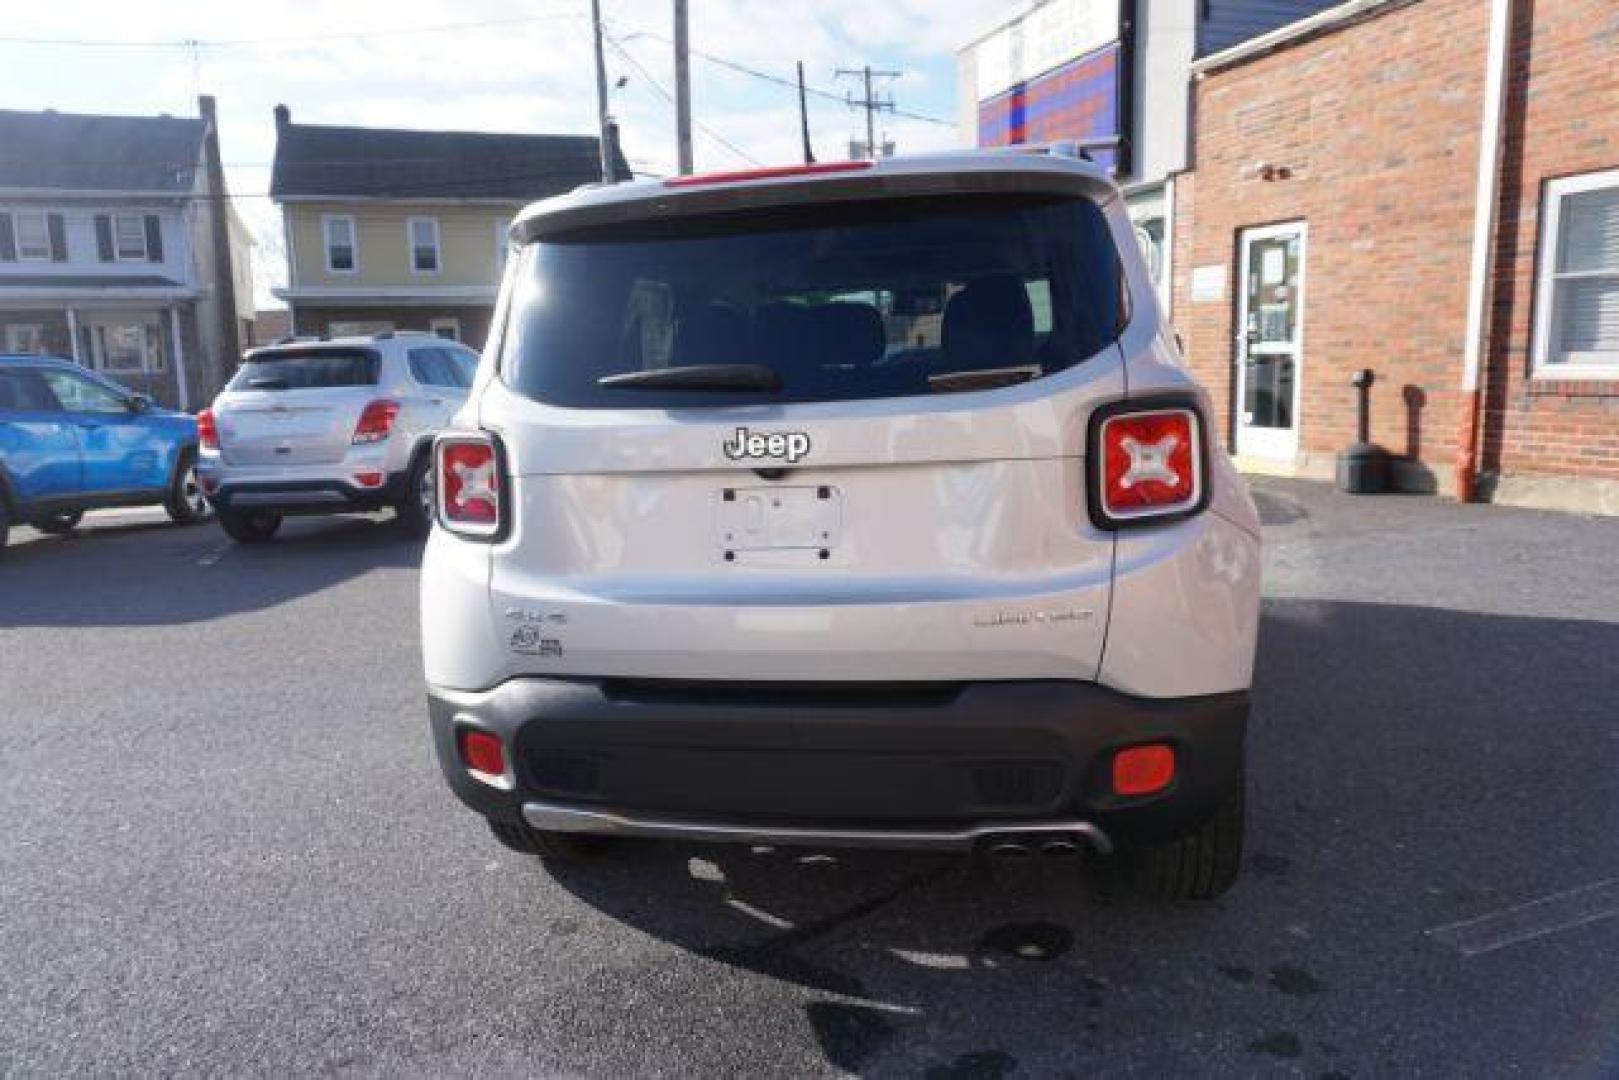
(308,371)
(840,301)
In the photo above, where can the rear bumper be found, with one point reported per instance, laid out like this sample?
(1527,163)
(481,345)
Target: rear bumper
(331,496)
(897,764)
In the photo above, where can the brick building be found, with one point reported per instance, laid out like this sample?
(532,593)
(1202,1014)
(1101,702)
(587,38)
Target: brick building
(1421,188)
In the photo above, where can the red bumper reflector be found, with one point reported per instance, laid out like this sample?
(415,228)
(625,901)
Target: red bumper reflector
(368,479)
(482,752)
(1142,770)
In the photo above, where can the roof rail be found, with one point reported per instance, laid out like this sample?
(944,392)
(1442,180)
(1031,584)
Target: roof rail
(388,335)
(1069,148)
(296,339)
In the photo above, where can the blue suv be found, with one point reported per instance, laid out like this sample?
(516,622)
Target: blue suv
(72,441)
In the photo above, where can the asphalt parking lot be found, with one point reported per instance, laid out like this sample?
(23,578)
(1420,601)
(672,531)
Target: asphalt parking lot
(227,848)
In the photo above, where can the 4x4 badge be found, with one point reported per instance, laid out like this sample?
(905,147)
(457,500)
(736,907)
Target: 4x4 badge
(791,445)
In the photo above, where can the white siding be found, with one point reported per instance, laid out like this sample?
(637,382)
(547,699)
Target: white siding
(79,227)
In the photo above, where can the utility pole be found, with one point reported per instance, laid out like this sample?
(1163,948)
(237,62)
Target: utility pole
(803,116)
(682,90)
(872,103)
(604,122)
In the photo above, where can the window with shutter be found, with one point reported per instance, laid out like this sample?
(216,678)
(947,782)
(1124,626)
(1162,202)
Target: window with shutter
(129,237)
(33,236)
(1577,320)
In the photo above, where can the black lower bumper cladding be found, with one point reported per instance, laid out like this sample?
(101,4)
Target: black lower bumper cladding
(841,757)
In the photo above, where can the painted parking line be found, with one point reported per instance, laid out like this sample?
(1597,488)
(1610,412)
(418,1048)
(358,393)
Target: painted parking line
(1537,918)
(214,555)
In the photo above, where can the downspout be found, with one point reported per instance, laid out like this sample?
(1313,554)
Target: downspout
(1476,347)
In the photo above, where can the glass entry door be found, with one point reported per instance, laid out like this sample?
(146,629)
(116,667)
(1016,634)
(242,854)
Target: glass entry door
(1270,337)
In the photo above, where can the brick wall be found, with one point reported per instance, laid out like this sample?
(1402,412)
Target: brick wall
(1373,130)
(1562,120)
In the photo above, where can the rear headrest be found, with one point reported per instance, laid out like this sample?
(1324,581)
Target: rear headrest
(847,333)
(988,324)
(711,334)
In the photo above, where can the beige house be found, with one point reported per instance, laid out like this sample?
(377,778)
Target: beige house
(406,230)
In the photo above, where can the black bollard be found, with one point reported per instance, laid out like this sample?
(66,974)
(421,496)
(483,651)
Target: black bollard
(1363,467)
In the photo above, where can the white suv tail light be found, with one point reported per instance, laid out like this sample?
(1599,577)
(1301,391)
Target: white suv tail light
(376,422)
(469,478)
(1148,463)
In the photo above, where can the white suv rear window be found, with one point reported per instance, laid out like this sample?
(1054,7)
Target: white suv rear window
(308,370)
(840,301)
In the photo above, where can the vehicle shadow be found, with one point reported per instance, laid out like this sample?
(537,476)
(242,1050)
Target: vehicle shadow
(156,574)
(1393,753)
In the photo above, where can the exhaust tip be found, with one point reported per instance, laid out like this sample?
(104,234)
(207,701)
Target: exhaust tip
(1062,848)
(1010,850)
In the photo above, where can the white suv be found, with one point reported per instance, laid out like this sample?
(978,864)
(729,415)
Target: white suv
(845,504)
(325,427)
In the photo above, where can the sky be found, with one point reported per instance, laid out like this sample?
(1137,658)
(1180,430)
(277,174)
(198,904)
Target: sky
(489,65)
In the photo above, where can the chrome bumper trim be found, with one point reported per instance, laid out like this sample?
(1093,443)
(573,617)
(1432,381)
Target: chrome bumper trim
(550,817)
(287,498)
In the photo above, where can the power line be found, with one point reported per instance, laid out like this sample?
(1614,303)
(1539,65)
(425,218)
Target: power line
(285,39)
(790,84)
(668,97)
(872,102)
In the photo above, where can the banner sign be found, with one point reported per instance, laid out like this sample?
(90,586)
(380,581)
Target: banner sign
(1079,100)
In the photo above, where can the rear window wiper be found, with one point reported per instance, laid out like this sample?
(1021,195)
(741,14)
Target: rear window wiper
(267,383)
(696,377)
(984,379)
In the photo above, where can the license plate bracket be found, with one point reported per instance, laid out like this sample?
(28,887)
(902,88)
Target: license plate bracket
(779,518)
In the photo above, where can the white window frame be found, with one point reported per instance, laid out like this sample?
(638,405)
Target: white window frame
(326,221)
(410,246)
(1546,280)
(117,245)
(27,339)
(154,348)
(16,234)
(446,322)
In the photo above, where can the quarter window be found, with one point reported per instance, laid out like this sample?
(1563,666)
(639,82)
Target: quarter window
(441,367)
(424,254)
(129,236)
(340,253)
(1577,301)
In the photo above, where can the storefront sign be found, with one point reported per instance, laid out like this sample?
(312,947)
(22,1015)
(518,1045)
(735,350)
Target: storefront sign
(1208,284)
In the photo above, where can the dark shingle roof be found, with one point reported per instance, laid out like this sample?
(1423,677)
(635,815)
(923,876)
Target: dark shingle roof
(70,152)
(393,163)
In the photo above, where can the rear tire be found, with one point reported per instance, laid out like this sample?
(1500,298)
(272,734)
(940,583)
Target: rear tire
(415,508)
(185,501)
(549,846)
(254,527)
(5,524)
(1200,866)
(60,523)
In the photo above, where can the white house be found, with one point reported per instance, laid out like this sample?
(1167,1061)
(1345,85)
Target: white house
(118,249)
